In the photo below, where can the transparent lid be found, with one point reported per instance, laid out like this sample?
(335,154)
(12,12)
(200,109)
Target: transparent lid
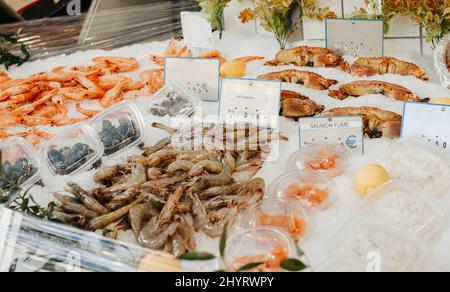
(391,248)
(267,245)
(73,151)
(33,245)
(415,160)
(119,128)
(313,190)
(343,264)
(330,159)
(21,166)
(285,214)
(407,206)
(173,100)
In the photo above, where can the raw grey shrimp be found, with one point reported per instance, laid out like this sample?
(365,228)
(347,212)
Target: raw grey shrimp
(178,245)
(102,221)
(187,231)
(199,155)
(140,214)
(154,237)
(165,154)
(256,186)
(158,146)
(87,199)
(137,177)
(222,179)
(71,205)
(180,165)
(122,199)
(112,230)
(108,172)
(216,191)
(170,208)
(165,128)
(247,174)
(71,219)
(208,165)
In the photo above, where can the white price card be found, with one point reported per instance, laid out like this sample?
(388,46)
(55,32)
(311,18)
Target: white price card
(250,101)
(430,121)
(201,76)
(197,30)
(357,37)
(348,131)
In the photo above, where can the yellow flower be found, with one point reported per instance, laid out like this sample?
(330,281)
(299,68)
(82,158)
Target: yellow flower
(247,15)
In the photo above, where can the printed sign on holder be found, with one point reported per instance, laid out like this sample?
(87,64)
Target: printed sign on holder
(357,37)
(201,76)
(250,101)
(348,131)
(197,30)
(430,121)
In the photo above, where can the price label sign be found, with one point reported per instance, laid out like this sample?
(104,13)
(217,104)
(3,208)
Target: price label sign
(197,30)
(429,121)
(348,131)
(250,101)
(201,76)
(357,37)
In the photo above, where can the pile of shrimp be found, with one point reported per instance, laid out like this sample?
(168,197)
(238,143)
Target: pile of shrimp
(43,99)
(168,193)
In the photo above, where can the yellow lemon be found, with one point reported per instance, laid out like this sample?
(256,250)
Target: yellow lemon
(444,100)
(233,69)
(369,178)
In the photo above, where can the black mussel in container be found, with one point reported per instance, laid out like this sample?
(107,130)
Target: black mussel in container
(68,159)
(117,137)
(14,174)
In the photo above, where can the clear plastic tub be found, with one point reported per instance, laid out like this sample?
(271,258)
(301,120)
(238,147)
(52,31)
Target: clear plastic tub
(286,214)
(392,248)
(407,206)
(415,160)
(73,151)
(343,264)
(20,164)
(329,159)
(119,128)
(261,244)
(173,100)
(313,190)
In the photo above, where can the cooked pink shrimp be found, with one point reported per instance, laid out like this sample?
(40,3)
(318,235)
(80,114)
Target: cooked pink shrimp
(117,64)
(154,79)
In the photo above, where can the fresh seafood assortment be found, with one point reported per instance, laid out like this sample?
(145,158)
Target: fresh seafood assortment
(361,88)
(305,78)
(168,193)
(67,159)
(309,57)
(386,65)
(377,123)
(295,105)
(19,171)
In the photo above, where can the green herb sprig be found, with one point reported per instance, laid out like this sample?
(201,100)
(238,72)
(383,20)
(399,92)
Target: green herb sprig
(7,58)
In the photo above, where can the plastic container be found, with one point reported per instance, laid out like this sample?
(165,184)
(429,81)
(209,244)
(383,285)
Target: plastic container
(343,264)
(392,247)
(415,160)
(407,206)
(261,244)
(286,214)
(173,100)
(119,128)
(329,159)
(20,164)
(73,151)
(313,190)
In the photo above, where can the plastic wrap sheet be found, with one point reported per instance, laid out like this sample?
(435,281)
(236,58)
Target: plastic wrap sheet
(32,245)
(106,29)
(440,61)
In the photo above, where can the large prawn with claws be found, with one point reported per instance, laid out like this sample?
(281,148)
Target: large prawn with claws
(305,78)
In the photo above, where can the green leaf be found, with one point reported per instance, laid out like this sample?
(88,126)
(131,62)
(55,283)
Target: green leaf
(250,266)
(197,256)
(293,265)
(3,199)
(223,240)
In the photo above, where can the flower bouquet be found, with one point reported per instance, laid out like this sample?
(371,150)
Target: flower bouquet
(214,10)
(278,16)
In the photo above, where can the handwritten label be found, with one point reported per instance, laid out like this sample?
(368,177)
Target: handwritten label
(201,76)
(355,37)
(250,101)
(429,121)
(197,30)
(342,130)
